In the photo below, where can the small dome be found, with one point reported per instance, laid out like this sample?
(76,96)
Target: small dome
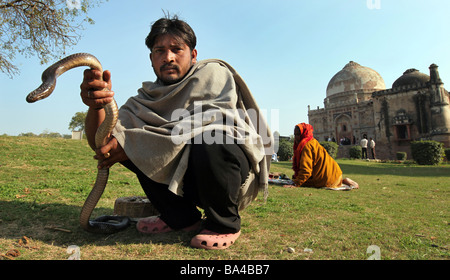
(410,77)
(355,77)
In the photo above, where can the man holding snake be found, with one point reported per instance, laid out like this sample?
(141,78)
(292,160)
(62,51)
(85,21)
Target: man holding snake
(162,135)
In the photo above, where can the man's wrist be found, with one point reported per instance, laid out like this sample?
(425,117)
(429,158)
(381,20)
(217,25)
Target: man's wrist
(96,108)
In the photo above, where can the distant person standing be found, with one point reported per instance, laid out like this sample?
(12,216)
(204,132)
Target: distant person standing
(372,147)
(364,143)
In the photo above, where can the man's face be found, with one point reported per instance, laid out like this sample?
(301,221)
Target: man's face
(171,59)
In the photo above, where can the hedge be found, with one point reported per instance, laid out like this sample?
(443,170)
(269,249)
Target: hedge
(401,155)
(285,150)
(331,147)
(356,152)
(447,153)
(427,152)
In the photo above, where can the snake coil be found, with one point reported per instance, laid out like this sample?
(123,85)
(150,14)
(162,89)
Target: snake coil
(103,224)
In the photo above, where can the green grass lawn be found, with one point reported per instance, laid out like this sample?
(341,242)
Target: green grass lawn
(400,208)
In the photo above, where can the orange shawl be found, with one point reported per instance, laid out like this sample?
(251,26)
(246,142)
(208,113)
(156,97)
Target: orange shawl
(306,132)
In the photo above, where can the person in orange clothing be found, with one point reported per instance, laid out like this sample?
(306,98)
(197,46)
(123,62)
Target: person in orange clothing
(313,166)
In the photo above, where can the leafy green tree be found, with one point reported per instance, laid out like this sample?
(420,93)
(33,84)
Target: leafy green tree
(77,122)
(28,134)
(40,28)
(48,134)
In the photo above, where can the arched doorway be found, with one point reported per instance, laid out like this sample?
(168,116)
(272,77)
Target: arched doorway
(344,130)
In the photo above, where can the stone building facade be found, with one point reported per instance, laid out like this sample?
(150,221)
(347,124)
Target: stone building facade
(358,103)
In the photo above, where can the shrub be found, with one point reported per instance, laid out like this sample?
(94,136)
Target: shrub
(285,150)
(401,155)
(331,147)
(427,152)
(355,152)
(447,153)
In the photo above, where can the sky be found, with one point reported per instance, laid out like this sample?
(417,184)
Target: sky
(285,50)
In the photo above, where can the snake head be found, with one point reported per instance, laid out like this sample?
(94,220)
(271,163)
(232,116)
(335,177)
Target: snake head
(45,89)
(41,92)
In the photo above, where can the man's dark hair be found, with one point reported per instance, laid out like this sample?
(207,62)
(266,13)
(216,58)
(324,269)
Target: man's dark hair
(172,26)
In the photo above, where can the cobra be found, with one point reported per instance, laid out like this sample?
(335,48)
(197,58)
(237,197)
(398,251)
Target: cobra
(103,224)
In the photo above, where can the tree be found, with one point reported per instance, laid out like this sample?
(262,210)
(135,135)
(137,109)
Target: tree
(41,28)
(77,121)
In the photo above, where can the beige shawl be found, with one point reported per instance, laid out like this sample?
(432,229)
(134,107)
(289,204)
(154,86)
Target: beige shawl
(157,127)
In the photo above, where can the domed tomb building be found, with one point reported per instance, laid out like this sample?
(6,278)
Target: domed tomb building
(358,103)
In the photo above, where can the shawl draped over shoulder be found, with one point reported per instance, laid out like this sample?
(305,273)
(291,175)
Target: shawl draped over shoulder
(157,127)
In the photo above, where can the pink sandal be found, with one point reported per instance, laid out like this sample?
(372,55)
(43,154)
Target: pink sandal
(154,224)
(210,240)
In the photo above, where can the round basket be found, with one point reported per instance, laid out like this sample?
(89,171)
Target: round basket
(134,207)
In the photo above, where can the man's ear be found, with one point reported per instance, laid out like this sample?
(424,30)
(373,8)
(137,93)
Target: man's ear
(194,56)
(151,59)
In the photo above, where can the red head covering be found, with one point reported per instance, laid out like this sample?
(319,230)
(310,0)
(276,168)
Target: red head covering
(306,134)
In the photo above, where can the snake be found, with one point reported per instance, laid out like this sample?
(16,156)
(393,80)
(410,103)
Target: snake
(108,223)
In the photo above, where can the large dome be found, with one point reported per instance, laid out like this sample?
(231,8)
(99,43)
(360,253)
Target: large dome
(410,77)
(355,77)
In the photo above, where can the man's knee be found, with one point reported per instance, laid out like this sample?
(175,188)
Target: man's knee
(220,158)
